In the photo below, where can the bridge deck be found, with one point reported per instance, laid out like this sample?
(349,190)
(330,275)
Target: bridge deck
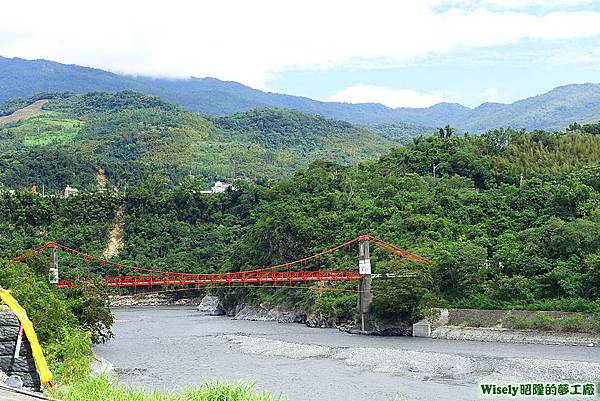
(224,279)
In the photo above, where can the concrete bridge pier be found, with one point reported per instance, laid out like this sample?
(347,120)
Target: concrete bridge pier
(364,286)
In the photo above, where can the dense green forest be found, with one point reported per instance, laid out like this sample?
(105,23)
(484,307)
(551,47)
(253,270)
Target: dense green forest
(510,219)
(116,140)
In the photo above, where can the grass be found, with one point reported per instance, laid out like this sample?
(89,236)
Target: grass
(569,324)
(106,388)
(48,127)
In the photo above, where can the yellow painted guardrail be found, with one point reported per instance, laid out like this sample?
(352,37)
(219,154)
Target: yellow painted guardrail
(38,354)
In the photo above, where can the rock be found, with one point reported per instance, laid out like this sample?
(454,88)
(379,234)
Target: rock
(318,320)
(8,319)
(3,377)
(264,312)
(100,366)
(14,382)
(391,330)
(151,300)
(254,313)
(292,316)
(211,305)
(379,330)
(231,312)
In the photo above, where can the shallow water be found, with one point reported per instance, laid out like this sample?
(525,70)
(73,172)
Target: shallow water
(166,347)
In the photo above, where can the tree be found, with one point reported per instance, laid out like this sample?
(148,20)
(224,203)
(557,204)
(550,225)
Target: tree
(400,297)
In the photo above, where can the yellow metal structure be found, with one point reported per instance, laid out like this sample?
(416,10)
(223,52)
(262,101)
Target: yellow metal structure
(38,354)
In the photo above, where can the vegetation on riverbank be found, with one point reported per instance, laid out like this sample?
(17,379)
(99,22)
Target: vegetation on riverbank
(66,322)
(105,388)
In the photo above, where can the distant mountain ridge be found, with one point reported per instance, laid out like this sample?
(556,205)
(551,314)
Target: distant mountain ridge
(553,110)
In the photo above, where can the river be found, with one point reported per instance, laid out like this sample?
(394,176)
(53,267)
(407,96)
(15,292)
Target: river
(176,347)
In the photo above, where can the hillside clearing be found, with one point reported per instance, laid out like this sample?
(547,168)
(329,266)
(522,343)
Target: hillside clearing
(24,113)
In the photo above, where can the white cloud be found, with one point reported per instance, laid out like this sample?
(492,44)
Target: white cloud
(389,97)
(490,94)
(571,55)
(515,4)
(247,41)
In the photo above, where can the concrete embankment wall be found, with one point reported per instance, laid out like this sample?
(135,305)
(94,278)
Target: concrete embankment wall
(547,327)
(22,367)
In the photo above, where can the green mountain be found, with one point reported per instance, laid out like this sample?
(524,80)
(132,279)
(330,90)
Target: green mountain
(127,137)
(554,110)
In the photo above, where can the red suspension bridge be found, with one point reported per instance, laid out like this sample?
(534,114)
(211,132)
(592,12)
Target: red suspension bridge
(294,274)
(290,274)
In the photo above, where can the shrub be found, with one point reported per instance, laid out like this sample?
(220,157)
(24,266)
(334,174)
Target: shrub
(337,305)
(47,312)
(70,354)
(544,322)
(89,304)
(573,323)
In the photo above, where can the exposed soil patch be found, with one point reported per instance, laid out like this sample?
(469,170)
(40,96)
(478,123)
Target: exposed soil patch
(101,178)
(115,237)
(25,112)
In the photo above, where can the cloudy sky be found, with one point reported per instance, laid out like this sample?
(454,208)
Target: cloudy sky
(401,53)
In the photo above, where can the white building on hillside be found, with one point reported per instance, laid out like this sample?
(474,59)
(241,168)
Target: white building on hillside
(218,188)
(69,191)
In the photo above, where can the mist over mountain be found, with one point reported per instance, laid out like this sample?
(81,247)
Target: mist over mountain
(551,111)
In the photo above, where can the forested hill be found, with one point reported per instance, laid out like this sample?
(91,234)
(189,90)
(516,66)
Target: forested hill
(127,138)
(510,220)
(553,110)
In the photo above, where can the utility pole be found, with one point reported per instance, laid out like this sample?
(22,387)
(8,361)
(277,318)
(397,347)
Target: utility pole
(433,168)
(364,286)
(53,265)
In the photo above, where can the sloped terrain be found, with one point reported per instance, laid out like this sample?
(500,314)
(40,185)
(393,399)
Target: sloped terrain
(134,138)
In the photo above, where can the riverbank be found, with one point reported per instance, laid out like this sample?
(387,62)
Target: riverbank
(540,327)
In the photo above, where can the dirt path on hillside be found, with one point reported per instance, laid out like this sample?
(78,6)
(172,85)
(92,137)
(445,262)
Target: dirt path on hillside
(115,237)
(25,112)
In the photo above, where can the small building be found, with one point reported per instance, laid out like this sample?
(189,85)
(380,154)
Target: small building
(69,191)
(218,188)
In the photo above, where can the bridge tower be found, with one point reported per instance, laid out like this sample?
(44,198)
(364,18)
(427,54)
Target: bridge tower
(364,285)
(53,265)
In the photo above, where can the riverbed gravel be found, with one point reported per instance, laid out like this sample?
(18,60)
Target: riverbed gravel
(264,346)
(407,362)
(424,364)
